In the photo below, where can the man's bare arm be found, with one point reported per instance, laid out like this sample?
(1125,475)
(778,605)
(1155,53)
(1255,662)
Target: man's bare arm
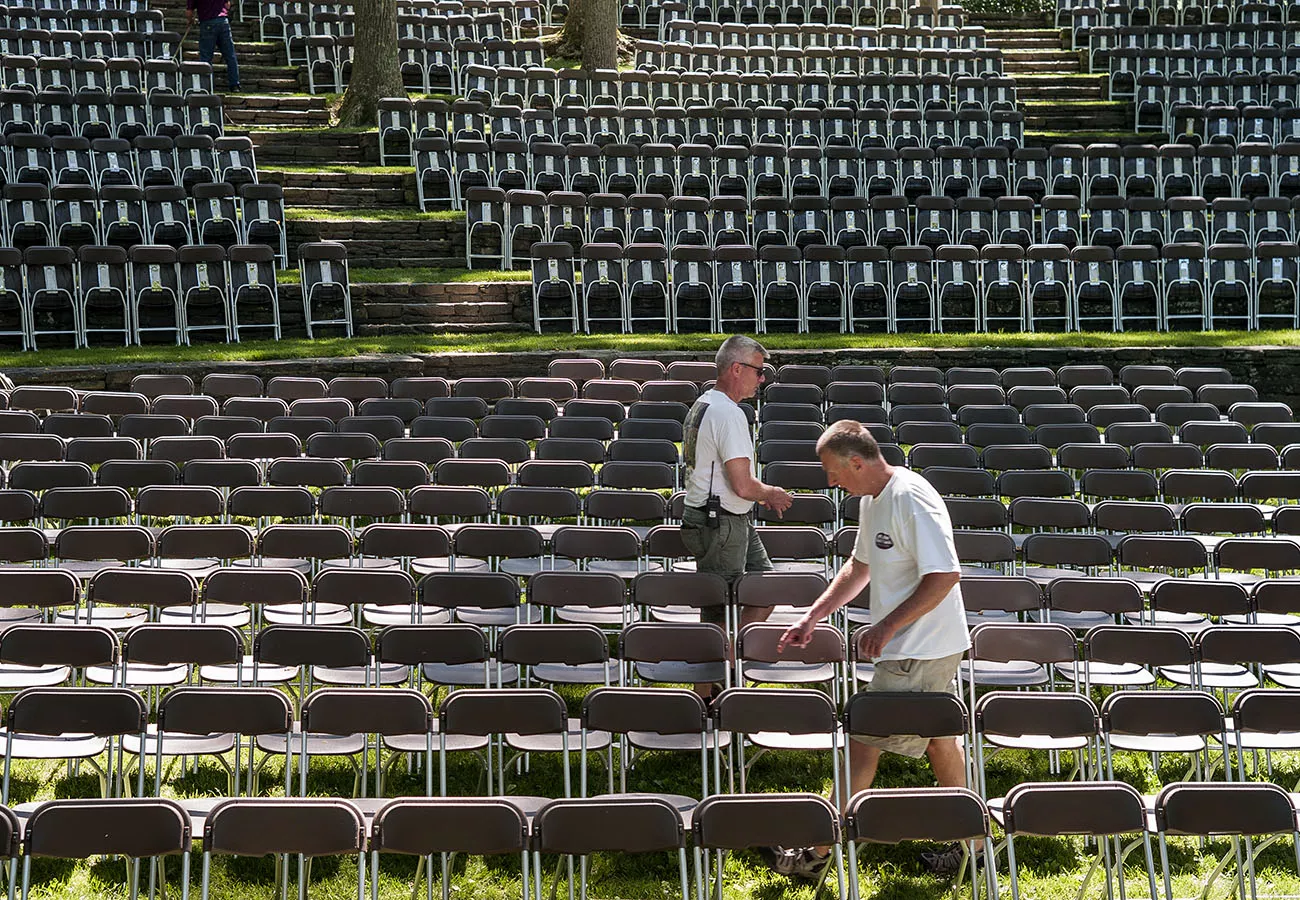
(743,483)
(848,583)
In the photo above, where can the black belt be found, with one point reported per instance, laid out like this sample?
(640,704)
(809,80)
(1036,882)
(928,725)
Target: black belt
(723,512)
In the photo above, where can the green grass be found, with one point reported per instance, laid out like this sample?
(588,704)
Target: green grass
(342,169)
(315,213)
(300,348)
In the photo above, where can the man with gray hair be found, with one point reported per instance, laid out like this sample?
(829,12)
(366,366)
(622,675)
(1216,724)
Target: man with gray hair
(906,553)
(721,489)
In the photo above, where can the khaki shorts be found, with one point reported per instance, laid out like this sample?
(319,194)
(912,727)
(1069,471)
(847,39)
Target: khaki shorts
(730,550)
(910,675)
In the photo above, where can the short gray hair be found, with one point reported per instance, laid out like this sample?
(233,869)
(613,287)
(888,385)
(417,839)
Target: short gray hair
(849,438)
(737,348)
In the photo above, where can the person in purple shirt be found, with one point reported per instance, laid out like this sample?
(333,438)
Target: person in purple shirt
(214,34)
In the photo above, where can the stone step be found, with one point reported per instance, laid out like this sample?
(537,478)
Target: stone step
(422,242)
(1056,66)
(269,54)
(351,197)
(396,179)
(1002,21)
(1048,42)
(1013,34)
(1123,138)
(1095,116)
(1032,55)
(1061,94)
(312,147)
(255,118)
(280,102)
(444,328)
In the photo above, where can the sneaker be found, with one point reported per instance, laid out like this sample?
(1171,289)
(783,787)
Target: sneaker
(797,863)
(949,861)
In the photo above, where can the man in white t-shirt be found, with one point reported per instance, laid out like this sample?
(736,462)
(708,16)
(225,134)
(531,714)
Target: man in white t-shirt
(718,449)
(918,633)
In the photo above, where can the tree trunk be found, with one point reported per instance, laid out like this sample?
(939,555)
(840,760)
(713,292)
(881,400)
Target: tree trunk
(376,65)
(600,37)
(568,43)
(590,35)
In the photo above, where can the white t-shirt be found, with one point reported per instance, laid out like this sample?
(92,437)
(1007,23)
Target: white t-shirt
(708,442)
(903,535)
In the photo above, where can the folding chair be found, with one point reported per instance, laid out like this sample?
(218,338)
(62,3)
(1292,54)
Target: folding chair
(135,829)
(308,827)
(75,723)
(1238,811)
(421,826)
(892,816)
(748,821)
(1102,811)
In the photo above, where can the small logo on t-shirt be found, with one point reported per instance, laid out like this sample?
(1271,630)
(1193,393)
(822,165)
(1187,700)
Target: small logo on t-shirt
(883,540)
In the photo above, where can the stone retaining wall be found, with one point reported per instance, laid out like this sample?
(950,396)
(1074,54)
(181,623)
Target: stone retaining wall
(1274,371)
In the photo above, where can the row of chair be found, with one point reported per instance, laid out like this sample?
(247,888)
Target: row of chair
(871,288)
(122,114)
(1259,228)
(653,14)
(75,216)
(640,824)
(939,90)
(577,371)
(54,291)
(104,71)
(1171,13)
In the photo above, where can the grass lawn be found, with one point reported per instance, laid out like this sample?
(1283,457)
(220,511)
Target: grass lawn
(1049,869)
(300,348)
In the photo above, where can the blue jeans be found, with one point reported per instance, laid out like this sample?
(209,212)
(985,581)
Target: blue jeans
(214,34)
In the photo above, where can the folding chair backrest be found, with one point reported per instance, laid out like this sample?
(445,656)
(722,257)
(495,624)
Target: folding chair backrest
(310,826)
(738,821)
(1228,809)
(76,829)
(245,711)
(910,814)
(419,826)
(1097,809)
(390,711)
(610,824)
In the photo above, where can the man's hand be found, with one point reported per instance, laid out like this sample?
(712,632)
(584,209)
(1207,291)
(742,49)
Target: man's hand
(778,501)
(797,635)
(871,645)
(189,16)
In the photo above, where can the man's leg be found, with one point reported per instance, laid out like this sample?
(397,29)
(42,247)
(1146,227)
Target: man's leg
(864,759)
(227,42)
(948,761)
(756,560)
(719,550)
(207,40)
